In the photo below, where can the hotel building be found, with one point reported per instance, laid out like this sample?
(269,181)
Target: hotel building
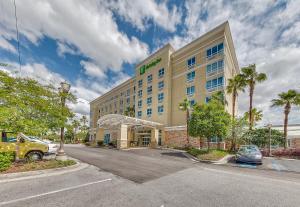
(161,82)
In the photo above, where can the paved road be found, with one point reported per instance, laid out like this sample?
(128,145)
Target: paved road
(184,185)
(137,165)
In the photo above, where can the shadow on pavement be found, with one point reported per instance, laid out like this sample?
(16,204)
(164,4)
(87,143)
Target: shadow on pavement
(174,154)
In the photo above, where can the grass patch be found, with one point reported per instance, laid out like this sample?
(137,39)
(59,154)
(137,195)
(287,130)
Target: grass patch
(212,155)
(38,165)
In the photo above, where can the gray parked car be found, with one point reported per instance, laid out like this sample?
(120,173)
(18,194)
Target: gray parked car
(249,154)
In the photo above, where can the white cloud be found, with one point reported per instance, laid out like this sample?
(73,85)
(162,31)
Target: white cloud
(256,27)
(140,12)
(93,70)
(87,26)
(4,44)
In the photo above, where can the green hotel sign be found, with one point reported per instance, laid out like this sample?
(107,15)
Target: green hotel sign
(147,66)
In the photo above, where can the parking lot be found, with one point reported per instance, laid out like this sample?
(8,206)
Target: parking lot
(138,165)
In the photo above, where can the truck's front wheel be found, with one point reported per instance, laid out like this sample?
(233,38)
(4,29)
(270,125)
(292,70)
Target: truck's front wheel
(34,156)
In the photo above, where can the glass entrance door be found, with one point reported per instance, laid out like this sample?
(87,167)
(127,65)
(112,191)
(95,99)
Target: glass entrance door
(146,141)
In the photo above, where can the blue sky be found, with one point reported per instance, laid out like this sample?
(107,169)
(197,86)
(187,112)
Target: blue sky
(95,44)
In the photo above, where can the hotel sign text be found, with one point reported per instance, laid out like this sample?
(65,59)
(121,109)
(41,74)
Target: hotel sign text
(147,66)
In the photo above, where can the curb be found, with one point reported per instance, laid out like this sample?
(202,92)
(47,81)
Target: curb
(222,161)
(10,177)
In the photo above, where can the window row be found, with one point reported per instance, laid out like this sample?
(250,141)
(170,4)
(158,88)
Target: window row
(215,83)
(161,73)
(218,65)
(149,89)
(214,50)
(160,110)
(160,98)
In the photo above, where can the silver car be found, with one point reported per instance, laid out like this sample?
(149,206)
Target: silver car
(249,154)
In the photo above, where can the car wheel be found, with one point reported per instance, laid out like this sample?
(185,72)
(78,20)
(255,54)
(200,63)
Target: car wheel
(34,156)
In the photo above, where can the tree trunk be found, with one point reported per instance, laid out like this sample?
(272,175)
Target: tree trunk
(208,144)
(250,105)
(199,143)
(187,128)
(286,116)
(232,147)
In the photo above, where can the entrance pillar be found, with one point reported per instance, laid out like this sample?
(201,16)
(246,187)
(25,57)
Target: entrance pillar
(154,137)
(99,134)
(122,139)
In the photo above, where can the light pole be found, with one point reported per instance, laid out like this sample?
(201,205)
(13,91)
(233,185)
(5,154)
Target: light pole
(63,90)
(270,131)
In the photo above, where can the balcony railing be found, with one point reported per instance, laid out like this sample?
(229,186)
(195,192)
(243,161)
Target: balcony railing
(217,72)
(216,88)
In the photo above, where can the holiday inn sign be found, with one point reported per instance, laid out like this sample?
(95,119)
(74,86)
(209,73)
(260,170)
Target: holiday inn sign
(147,66)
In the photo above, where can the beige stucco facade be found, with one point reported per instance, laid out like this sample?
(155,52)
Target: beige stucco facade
(188,69)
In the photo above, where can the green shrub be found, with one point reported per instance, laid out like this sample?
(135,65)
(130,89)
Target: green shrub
(6,159)
(195,152)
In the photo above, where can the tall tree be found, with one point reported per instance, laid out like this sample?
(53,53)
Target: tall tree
(257,115)
(186,106)
(250,77)
(30,107)
(235,85)
(287,99)
(83,124)
(210,120)
(130,111)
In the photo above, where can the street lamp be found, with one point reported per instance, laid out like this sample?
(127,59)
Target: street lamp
(63,91)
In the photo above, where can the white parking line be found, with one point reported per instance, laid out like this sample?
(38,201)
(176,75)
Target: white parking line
(53,192)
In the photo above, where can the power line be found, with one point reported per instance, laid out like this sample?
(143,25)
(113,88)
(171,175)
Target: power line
(18,40)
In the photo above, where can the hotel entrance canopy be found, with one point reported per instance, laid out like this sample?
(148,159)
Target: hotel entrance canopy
(111,121)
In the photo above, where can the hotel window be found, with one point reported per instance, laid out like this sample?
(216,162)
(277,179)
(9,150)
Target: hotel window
(149,78)
(160,109)
(190,76)
(121,102)
(140,83)
(140,102)
(133,89)
(161,72)
(149,112)
(128,92)
(149,90)
(140,93)
(134,99)
(149,100)
(128,101)
(190,90)
(191,62)
(215,83)
(207,99)
(192,102)
(161,85)
(160,97)
(211,68)
(214,50)
(139,113)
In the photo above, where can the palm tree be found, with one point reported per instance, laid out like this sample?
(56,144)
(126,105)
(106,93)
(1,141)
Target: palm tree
(286,99)
(83,122)
(130,111)
(256,116)
(250,77)
(186,106)
(235,85)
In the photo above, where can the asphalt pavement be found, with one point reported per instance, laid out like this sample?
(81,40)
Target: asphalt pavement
(186,184)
